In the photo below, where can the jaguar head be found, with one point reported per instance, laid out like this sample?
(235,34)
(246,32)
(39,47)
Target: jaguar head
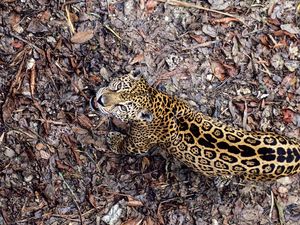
(126,97)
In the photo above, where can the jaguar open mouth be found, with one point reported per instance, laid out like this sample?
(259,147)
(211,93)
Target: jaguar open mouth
(93,104)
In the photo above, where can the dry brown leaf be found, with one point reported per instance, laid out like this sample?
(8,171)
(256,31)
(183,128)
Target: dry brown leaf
(85,121)
(231,70)
(145,163)
(198,38)
(148,221)
(268,82)
(274,22)
(44,16)
(289,80)
(17,44)
(264,40)
(288,115)
(136,59)
(150,6)
(79,130)
(14,21)
(135,221)
(142,4)
(119,123)
(133,202)
(40,146)
(218,70)
(7,109)
(44,154)
(94,79)
(281,33)
(159,214)
(281,44)
(82,36)
(69,140)
(226,20)
(92,200)
(62,166)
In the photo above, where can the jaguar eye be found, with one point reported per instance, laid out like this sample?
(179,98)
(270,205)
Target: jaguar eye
(119,86)
(123,107)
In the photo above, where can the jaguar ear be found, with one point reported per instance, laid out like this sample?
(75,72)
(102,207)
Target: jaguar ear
(136,74)
(145,115)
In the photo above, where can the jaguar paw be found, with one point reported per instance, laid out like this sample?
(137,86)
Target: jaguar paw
(115,141)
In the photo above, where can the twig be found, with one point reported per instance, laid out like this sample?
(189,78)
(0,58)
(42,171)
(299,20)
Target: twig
(202,45)
(41,51)
(245,115)
(280,211)
(69,21)
(191,5)
(75,199)
(272,205)
(113,32)
(51,121)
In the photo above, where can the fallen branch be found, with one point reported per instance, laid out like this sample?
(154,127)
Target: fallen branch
(191,5)
(74,197)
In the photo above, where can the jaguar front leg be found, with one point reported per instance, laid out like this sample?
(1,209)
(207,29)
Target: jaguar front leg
(137,141)
(115,141)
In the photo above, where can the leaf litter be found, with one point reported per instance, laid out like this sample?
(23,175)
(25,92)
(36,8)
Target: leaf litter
(235,60)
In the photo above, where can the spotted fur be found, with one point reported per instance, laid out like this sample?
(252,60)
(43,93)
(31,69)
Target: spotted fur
(201,142)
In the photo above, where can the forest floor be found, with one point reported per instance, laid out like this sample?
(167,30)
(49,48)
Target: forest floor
(240,63)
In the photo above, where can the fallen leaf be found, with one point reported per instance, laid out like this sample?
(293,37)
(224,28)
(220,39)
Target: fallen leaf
(36,26)
(226,20)
(79,130)
(44,154)
(85,121)
(92,200)
(275,21)
(218,70)
(82,36)
(150,6)
(133,202)
(138,58)
(264,40)
(32,76)
(135,221)
(281,33)
(17,44)
(288,115)
(230,70)
(145,163)
(282,190)
(289,80)
(45,16)
(285,180)
(148,221)
(39,146)
(198,38)
(291,28)
(63,166)
(113,215)
(159,214)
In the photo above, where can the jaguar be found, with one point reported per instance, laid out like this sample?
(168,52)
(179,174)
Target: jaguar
(203,143)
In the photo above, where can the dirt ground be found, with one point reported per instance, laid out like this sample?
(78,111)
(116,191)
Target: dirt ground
(242,67)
